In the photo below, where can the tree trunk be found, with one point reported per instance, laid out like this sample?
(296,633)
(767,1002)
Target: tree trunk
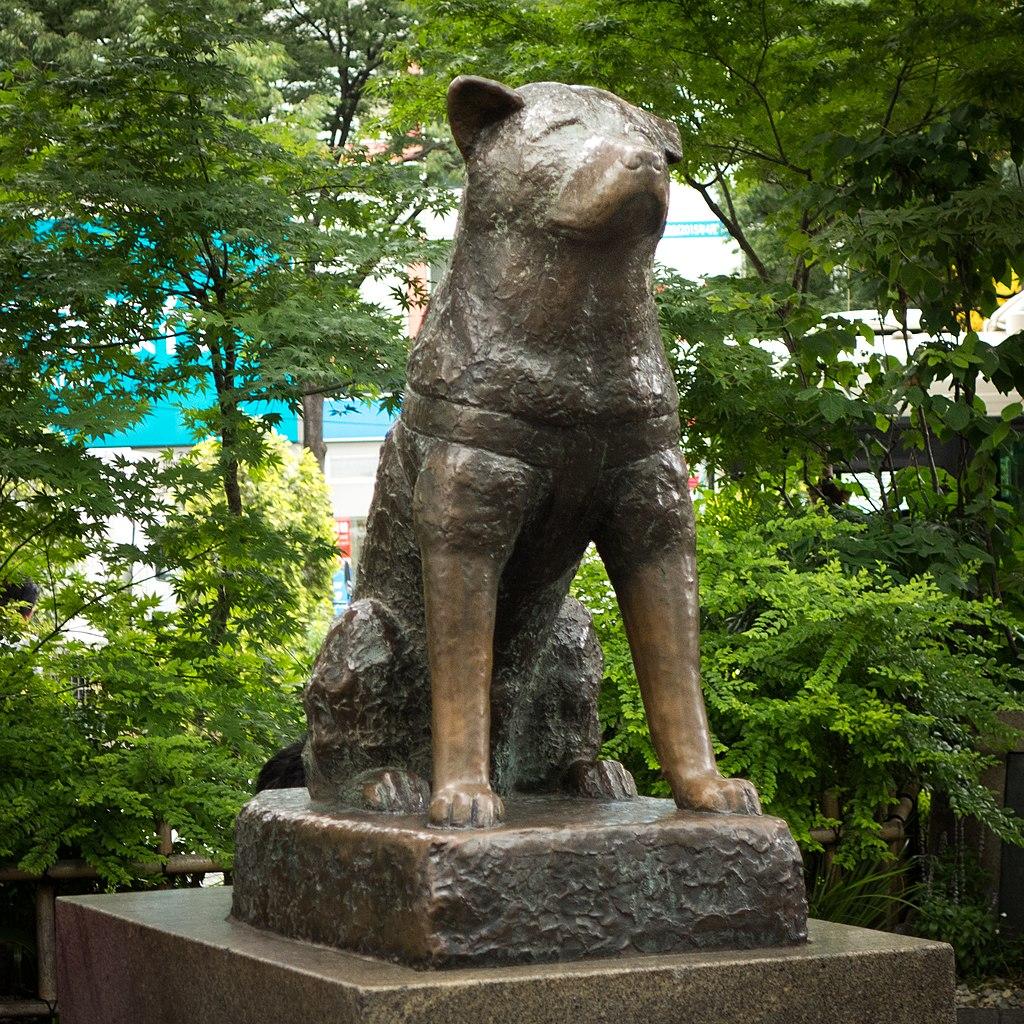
(313,427)
(232,489)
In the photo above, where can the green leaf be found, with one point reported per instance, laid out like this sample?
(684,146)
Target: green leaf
(957,416)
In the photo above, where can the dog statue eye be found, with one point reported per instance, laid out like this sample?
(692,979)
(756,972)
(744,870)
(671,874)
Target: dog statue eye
(557,126)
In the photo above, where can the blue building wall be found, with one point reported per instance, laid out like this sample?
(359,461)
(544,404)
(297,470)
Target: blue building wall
(166,426)
(349,421)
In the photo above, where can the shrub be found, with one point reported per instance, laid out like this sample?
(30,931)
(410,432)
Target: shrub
(133,713)
(955,906)
(868,895)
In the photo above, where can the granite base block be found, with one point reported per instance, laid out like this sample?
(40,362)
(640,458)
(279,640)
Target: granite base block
(560,879)
(173,956)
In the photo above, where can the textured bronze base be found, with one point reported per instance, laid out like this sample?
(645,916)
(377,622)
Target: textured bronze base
(561,879)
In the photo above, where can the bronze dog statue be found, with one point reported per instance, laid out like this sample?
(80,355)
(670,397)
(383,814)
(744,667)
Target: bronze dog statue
(540,415)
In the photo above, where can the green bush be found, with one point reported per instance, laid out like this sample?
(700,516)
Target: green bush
(820,677)
(130,714)
(955,906)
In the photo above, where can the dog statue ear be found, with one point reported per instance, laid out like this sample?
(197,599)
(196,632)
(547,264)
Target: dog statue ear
(476,103)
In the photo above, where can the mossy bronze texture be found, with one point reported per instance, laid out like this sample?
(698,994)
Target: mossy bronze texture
(540,415)
(561,879)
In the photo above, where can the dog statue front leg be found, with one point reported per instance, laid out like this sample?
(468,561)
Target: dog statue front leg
(460,591)
(648,548)
(659,610)
(468,508)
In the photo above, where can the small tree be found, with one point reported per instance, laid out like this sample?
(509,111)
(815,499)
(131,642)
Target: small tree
(177,191)
(156,192)
(337,69)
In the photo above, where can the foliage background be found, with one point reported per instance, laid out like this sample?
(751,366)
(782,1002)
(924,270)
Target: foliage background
(165,179)
(821,676)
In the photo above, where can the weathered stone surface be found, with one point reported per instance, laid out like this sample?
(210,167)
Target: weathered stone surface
(561,879)
(169,957)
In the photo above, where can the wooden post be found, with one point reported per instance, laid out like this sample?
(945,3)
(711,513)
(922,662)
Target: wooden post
(46,942)
(903,806)
(166,847)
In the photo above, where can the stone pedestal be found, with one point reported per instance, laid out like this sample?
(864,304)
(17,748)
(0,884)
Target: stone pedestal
(174,956)
(561,879)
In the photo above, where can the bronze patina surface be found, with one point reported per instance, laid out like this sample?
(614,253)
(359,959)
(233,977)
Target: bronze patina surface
(560,879)
(540,415)
(459,691)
